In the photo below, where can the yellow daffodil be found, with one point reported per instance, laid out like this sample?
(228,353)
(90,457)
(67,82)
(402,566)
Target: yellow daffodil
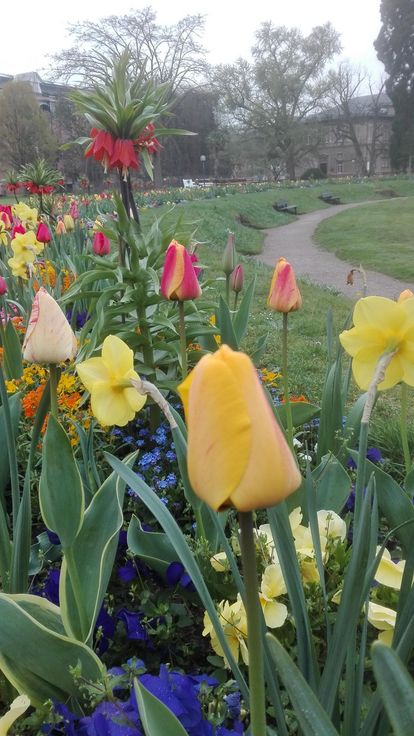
(219,562)
(234,623)
(389,573)
(381,326)
(384,620)
(17,708)
(113,399)
(18,268)
(25,247)
(27,215)
(272,586)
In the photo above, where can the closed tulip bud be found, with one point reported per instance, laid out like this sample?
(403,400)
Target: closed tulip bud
(4,217)
(100,244)
(17,230)
(237,279)
(3,286)
(406,294)
(229,255)
(69,223)
(73,211)
(49,336)
(237,453)
(284,295)
(179,280)
(60,227)
(43,233)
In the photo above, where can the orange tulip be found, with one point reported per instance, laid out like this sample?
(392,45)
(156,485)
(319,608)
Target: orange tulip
(406,294)
(237,453)
(284,295)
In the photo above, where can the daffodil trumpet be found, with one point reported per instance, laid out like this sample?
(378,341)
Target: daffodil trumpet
(254,626)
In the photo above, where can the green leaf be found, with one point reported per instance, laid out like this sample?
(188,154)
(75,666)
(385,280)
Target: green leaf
(93,553)
(13,360)
(156,718)
(154,548)
(302,412)
(241,319)
(60,491)
(312,718)
(333,485)
(396,688)
(14,402)
(225,325)
(332,411)
(35,654)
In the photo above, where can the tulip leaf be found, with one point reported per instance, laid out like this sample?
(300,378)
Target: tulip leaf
(396,688)
(60,491)
(14,402)
(36,655)
(13,361)
(93,554)
(394,503)
(302,412)
(332,487)
(184,554)
(257,353)
(225,325)
(154,548)
(156,718)
(332,411)
(312,718)
(241,319)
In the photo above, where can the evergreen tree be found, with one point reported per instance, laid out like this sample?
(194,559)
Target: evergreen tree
(395,48)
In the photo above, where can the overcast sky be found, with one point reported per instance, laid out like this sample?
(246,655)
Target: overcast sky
(40,27)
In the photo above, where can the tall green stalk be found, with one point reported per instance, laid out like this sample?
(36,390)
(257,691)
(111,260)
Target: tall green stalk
(286,380)
(183,339)
(403,427)
(254,628)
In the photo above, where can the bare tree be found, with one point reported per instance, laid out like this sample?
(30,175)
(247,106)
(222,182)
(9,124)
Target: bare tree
(285,83)
(349,110)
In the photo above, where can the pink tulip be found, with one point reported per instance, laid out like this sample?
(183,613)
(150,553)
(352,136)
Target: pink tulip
(179,280)
(101,245)
(73,211)
(18,229)
(237,279)
(3,286)
(43,233)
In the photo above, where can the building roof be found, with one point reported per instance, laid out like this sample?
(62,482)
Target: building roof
(363,106)
(39,87)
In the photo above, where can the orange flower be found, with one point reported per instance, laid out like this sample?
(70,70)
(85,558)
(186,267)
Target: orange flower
(31,401)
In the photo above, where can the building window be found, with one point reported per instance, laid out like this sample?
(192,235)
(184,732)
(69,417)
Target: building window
(339,167)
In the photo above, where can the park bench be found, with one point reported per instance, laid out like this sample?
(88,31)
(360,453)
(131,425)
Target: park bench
(283,206)
(329,198)
(189,184)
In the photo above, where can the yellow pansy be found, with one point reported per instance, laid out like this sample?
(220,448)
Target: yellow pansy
(384,620)
(272,586)
(219,562)
(381,326)
(388,572)
(331,525)
(113,399)
(233,620)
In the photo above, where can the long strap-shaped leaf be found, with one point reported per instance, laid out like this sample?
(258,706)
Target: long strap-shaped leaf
(313,719)
(396,688)
(171,528)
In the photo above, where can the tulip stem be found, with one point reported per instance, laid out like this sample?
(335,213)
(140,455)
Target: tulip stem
(183,339)
(403,427)
(254,626)
(54,380)
(288,405)
(228,289)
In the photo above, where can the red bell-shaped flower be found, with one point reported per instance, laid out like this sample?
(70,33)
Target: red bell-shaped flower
(124,155)
(101,147)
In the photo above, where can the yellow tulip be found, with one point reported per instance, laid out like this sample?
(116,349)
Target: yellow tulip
(113,399)
(17,708)
(237,453)
(381,326)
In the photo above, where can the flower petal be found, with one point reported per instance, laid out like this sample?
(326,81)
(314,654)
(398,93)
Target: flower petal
(117,356)
(110,406)
(92,371)
(275,614)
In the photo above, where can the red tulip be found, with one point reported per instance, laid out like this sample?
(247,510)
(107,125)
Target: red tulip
(179,280)
(3,286)
(43,233)
(194,260)
(101,245)
(17,230)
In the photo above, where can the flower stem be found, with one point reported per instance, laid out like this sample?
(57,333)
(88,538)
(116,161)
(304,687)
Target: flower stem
(76,587)
(403,427)
(254,628)
(183,339)
(286,380)
(54,380)
(228,290)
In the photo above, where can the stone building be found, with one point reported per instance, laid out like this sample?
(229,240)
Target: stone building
(351,139)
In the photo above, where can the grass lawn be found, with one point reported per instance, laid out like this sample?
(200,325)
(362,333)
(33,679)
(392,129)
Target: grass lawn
(380,237)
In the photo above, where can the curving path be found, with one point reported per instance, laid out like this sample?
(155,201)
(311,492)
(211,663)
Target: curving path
(294,241)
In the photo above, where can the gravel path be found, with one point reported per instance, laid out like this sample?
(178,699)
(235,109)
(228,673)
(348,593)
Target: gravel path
(295,242)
